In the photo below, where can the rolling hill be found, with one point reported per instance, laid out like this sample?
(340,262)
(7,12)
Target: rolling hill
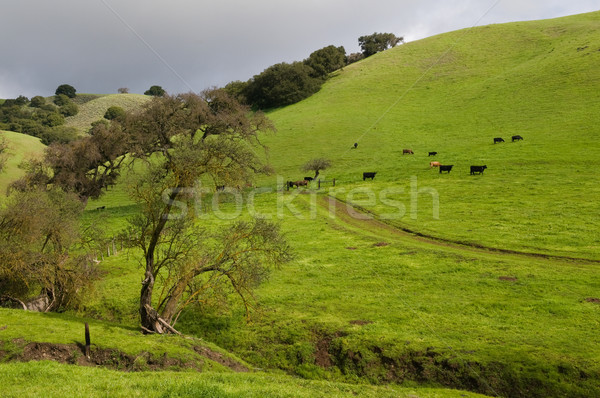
(453,94)
(20,147)
(494,292)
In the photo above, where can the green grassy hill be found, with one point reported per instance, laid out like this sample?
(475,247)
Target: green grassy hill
(20,147)
(364,301)
(94,109)
(453,94)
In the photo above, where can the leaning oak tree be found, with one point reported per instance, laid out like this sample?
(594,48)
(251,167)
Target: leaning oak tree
(183,139)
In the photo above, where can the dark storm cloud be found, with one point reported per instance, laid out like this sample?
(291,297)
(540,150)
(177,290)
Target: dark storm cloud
(99,46)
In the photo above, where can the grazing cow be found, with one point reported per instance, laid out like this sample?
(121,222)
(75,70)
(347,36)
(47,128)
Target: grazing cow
(434,164)
(101,208)
(407,152)
(308,178)
(498,139)
(370,175)
(299,184)
(516,138)
(477,169)
(355,145)
(446,167)
(432,153)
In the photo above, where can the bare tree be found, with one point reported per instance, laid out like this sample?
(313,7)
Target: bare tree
(316,165)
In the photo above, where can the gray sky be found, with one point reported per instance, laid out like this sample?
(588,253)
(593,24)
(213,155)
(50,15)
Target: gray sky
(98,46)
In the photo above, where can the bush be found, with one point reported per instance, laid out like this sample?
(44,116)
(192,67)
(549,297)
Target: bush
(61,99)
(67,90)
(37,101)
(156,91)
(114,112)
(69,109)
(60,134)
(282,84)
(326,60)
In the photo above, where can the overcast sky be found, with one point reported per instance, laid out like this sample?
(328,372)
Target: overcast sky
(98,46)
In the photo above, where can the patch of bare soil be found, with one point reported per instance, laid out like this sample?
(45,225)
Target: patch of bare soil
(220,358)
(594,300)
(351,248)
(114,359)
(508,278)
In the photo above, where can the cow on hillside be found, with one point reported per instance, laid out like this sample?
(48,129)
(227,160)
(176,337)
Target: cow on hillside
(498,139)
(516,138)
(446,167)
(407,152)
(434,164)
(370,175)
(477,169)
(432,153)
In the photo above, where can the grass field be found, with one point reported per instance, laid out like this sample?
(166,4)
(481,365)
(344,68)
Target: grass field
(364,301)
(20,147)
(93,108)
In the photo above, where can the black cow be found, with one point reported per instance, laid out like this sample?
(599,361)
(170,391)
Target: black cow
(516,138)
(370,175)
(355,145)
(478,169)
(432,153)
(446,167)
(498,139)
(308,178)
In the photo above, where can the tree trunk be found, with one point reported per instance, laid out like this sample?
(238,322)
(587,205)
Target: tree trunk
(172,301)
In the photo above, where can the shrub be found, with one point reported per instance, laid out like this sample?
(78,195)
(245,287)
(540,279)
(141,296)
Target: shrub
(69,109)
(156,91)
(66,89)
(114,112)
(37,101)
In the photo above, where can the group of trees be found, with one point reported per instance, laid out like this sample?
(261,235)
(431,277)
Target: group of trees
(286,83)
(181,140)
(40,118)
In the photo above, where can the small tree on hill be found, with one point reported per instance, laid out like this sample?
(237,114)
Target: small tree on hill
(66,89)
(123,90)
(155,91)
(114,112)
(372,44)
(317,165)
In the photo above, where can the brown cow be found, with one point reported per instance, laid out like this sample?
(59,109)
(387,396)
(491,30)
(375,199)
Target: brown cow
(434,164)
(407,151)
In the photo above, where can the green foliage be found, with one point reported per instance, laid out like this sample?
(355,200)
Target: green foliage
(282,84)
(37,101)
(237,89)
(155,91)
(326,60)
(66,89)
(377,42)
(61,99)
(58,134)
(114,112)
(68,109)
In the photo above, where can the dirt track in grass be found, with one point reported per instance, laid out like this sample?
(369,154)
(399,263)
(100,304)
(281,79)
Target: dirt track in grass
(352,216)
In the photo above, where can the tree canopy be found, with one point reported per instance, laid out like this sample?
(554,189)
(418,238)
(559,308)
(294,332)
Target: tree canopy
(377,42)
(66,89)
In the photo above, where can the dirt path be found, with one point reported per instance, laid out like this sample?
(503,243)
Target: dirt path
(366,221)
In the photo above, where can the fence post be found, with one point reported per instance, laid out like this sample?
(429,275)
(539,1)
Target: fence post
(334,182)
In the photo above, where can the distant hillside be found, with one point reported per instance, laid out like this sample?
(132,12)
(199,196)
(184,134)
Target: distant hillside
(20,147)
(453,93)
(94,109)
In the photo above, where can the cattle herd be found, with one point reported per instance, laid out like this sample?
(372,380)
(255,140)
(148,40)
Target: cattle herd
(447,167)
(442,167)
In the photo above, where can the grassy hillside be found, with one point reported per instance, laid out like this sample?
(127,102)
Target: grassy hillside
(364,301)
(20,147)
(94,109)
(453,94)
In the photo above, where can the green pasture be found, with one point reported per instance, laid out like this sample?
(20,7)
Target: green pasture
(453,94)
(93,108)
(21,147)
(364,302)
(55,380)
